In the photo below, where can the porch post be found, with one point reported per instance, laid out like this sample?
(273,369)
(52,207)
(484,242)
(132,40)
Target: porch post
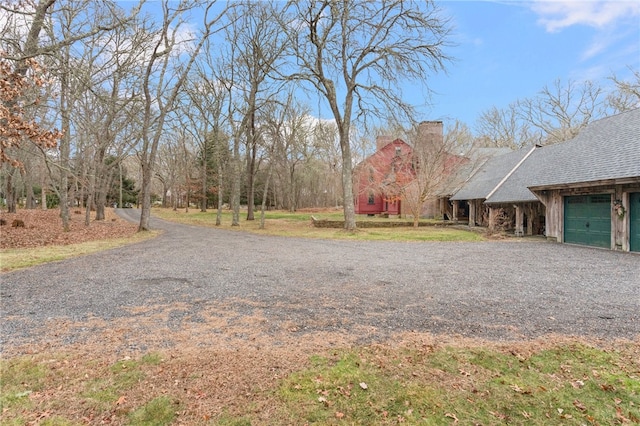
(472,213)
(492,219)
(519,221)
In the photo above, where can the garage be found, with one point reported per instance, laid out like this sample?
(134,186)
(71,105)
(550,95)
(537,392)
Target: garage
(587,220)
(634,221)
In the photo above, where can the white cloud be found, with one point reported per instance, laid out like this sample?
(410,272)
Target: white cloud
(594,73)
(596,47)
(557,15)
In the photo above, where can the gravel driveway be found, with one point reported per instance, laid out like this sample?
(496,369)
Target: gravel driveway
(492,290)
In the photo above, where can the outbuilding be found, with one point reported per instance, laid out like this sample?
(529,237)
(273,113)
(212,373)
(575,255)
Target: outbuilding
(484,185)
(590,185)
(587,189)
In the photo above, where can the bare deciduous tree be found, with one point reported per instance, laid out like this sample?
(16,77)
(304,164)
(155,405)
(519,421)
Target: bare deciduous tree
(627,94)
(258,46)
(105,115)
(202,118)
(48,30)
(560,111)
(557,113)
(503,128)
(164,78)
(289,132)
(355,54)
(459,138)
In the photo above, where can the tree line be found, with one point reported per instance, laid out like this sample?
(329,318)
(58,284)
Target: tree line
(216,105)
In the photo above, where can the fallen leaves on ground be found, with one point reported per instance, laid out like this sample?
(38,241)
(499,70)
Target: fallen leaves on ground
(44,228)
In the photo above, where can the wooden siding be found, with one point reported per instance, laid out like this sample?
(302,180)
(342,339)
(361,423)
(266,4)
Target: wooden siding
(553,199)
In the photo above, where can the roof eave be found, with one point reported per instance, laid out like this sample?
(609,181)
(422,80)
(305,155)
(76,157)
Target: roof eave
(594,183)
(530,200)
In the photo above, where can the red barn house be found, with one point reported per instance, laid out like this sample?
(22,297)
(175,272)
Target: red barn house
(396,179)
(371,175)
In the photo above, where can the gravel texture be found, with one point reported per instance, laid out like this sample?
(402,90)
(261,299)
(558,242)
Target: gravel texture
(189,276)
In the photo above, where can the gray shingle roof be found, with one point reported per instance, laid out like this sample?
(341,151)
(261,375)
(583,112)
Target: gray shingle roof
(477,158)
(480,185)
(606,149)
(514,188)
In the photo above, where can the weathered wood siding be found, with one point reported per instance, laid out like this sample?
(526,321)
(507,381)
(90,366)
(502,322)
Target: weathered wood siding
(553,199)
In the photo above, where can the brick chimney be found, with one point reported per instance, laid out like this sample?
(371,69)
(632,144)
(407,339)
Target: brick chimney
(430,133)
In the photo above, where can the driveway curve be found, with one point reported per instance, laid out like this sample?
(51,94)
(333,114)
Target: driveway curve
(500,290)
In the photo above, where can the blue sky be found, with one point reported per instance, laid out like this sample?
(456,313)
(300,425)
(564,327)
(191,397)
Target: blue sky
(509,50)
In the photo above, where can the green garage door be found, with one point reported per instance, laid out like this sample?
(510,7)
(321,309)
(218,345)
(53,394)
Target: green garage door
(634,221)
(587,220)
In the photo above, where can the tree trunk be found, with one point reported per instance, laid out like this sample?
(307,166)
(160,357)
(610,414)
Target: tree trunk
(174,198)
(120,187)
(10,192)
(165,196)
(30,198)
(145,212)
(220,193)
(236,183)
(102,182)
(251,182)
(90,197)
(30,201)
(101,203)
(87,209)
(347,181)
(187,196)
(65,144)
(203,204)
(291,195)
(43,193)
(265,193)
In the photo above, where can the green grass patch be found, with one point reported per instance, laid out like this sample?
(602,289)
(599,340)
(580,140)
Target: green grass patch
(104,390)
(12,259)
(19,378)
(280,223)
(562,383)
(157,412)
(573,384)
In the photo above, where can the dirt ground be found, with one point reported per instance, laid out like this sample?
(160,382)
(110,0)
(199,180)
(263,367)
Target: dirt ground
(44,228)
